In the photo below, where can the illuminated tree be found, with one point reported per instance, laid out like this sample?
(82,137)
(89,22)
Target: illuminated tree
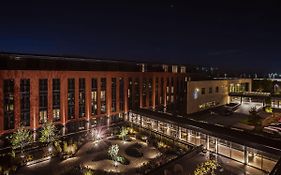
(113,152)
(48,132)
(123,133)
(207,167)
(21,138)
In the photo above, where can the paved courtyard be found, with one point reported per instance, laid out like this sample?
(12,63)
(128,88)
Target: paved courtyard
(87,153)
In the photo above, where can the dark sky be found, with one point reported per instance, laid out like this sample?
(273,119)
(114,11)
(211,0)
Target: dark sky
(231,34)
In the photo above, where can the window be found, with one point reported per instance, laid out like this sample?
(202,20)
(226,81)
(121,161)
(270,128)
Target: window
(210,90)
(71,98)
(113,94)
(217,89)
(103,95)
(130,97)
(137,93)
(56,99)
(81,97)
(9,115)
(150,91)
(144,87)
(94,96)
(43,101)
(203,91)
(156,92)
(25,102)
(121,94)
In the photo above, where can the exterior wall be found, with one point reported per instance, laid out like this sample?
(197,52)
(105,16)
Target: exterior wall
(195,99)
(35,75)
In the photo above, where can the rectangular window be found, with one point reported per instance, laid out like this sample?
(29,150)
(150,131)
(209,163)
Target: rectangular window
(150,91)
(113,94)
(25,102)
(161,91)
(156,92)
(144,86)
(94,97)
(82,97)
(121,94)
(137,93)
(103,95)
(9,114)
(43,101)
(71,98)
(130,96)
(210,90)
(168,90)
(56,99)
(217,89)
(203,91)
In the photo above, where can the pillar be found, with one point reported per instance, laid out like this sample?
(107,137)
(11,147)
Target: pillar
(246,156)
(108,95)
(63,99)
(88,95)
(153,92)
(98,95)
(34,102)
(76,96)
(141,86)
(117,95)
(165,92)
(17,102)
(1,106)
(50,99)
(126,85)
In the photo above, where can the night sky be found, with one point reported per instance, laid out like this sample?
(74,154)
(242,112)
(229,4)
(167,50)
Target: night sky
(228,34)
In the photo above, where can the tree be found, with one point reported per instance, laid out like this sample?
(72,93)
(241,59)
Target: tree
(21,138)
(48,132)
(123,132)
(113,152)
(255,119)
(207,167)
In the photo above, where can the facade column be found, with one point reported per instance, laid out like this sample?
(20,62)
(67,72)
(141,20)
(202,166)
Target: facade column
(153,92)
(76,96)
(165,92)
(126,85)
(141,86)
(133,96)
(98,95)
(159,91)
(34,102)
(147,92)
(2,105)
(246,161)
(50,99)
(17,102)
(88,98)
(63,99)
(208,143)
(117,95)
(108,95)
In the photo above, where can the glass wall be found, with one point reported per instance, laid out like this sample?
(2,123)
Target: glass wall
(9,114)
(43,100)
(56,99)
(235,151)
(103,95)
(25,102)
(71,98)
(82,99)
(113,95)
(121,94)
(94,93)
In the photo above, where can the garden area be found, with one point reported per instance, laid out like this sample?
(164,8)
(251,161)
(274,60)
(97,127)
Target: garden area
(119,150)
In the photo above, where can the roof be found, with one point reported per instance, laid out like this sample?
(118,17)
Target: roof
(241,137)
